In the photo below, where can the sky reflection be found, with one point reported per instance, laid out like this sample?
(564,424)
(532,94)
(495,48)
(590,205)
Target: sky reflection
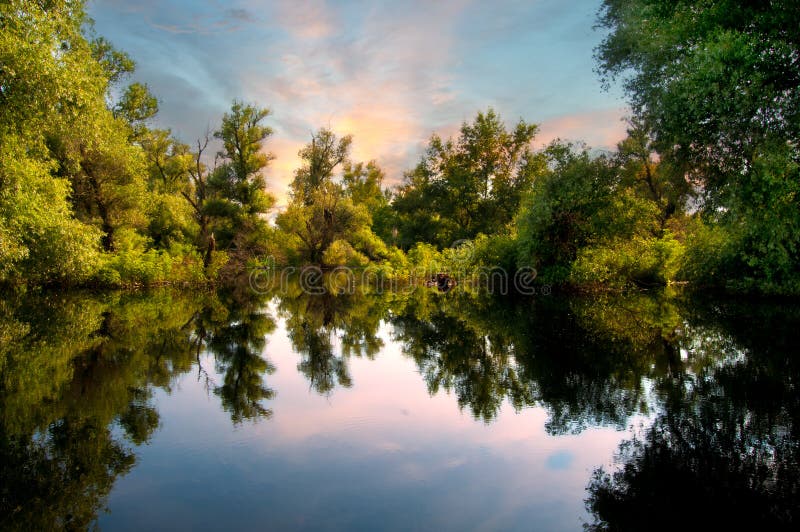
(382,453)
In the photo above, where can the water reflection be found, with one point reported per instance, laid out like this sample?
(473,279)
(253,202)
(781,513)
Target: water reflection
(715,384)
(234,329)
(73,369)
(327,329)
(77,373)
(585,361)
(724,450)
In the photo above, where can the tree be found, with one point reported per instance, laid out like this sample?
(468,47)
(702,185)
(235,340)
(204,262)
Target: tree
(577,203)
(82,167)
(715,79)
(239,199)
(230,199)
(651,176)
(197,194)
(329,218)
(115,63)
(364,185)
(136,106)
(717,85)
(106,171)
(468,186)
(320,158)
(329,223)
(171,219)
(48,70)
(51,87)
(40,240)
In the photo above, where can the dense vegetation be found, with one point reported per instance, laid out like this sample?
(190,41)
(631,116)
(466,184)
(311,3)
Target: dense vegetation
(704,188)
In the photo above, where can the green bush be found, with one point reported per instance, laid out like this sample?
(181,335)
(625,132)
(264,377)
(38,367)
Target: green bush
(496,251)
(341,253)
(624,263)
(40,241)
(424,259)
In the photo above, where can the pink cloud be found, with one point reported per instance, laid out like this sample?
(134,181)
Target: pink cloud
(382,88)
(599,129)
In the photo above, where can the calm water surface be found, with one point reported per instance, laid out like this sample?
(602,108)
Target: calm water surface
(403,411)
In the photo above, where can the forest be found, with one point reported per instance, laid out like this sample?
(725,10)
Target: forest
(703,191)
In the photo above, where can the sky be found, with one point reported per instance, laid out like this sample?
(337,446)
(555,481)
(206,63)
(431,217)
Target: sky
(389,73)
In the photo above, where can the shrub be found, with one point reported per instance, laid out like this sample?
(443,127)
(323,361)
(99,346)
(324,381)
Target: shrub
(341,253)
(624,263)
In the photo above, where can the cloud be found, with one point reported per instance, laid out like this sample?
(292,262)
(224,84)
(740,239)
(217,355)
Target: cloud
(390,74)
(601,129)
(305,19)
(383,80)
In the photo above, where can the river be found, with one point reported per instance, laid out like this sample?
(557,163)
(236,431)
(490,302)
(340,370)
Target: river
(407,410)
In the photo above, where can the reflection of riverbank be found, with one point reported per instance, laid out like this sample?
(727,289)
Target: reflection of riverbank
(81,374)
(725,447)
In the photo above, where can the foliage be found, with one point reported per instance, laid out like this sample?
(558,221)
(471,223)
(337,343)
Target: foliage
(579,203)
(749,248)
(716,79)
(320,158)
(237,198)
(40,241)
(91,193)
(467,186)
(329,223)
(645,262)
(364,185)
(716,84)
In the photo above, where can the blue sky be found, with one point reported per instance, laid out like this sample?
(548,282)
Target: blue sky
(390,73)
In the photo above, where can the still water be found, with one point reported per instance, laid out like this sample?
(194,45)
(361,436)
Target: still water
(412,410)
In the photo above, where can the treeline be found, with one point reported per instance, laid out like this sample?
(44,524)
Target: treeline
(704,188)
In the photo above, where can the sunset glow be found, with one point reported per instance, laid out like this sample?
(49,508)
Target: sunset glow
(390,74)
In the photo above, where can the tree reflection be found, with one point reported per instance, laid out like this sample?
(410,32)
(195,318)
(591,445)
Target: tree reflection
(455,352)
(74,368)
(582,360)
(725,450)
(77,375)
(327,329)
(237,344)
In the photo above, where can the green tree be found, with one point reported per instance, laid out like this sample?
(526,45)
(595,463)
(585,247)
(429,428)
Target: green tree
(579,209)
(238,200)
(198,194)
(364,185)
(320,158)
(107,173)
(329,218)
(48,79)
(171,219)
(651,175)
(717,85)
(136,106)
(716,79)
(468,186)
(40,240)
(115,63)
(329,223)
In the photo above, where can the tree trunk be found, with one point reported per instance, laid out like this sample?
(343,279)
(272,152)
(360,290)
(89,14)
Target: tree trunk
(211,245)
